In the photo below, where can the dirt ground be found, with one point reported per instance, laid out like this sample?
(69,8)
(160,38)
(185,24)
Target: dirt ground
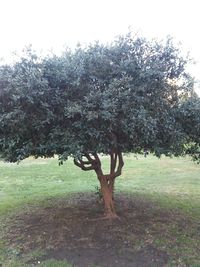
(73,229)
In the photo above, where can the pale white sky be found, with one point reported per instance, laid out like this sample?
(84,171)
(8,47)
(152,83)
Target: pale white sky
(51,24)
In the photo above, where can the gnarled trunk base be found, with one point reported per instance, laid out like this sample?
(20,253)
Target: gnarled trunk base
(92,161)
(107,192)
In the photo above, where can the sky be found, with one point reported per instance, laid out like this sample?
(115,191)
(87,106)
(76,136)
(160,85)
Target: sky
(54,24)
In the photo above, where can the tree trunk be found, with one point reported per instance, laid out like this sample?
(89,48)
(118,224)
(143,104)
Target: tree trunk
(92,161)
(107,192)
(111,186)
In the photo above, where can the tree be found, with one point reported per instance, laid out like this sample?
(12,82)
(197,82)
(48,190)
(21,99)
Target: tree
(110,99)
(189,116)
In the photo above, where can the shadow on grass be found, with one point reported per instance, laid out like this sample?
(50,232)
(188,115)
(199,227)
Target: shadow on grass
(72,229)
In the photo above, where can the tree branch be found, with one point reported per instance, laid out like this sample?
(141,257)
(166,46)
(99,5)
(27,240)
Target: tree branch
(113,161)
(81,164)
(120,164)
(91,160)
(97,159)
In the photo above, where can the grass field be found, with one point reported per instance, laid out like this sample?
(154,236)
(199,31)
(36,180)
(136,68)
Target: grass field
(163,186)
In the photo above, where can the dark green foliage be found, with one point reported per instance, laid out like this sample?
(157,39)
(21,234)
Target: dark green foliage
(125,95)
(190,120)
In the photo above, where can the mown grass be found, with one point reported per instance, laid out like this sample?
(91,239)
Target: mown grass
(171,183)
(174,183)
(33,181)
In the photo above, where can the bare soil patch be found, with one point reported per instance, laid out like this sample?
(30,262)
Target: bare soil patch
(73,229)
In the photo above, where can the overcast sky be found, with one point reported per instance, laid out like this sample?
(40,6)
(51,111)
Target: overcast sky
(52,24)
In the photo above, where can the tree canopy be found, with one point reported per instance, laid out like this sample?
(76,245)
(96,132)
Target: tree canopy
(128,96)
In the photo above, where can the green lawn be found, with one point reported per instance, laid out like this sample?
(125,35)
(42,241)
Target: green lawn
(34,181)
(173,184)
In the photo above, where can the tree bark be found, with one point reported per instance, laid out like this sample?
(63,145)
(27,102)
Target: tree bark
(107,193)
